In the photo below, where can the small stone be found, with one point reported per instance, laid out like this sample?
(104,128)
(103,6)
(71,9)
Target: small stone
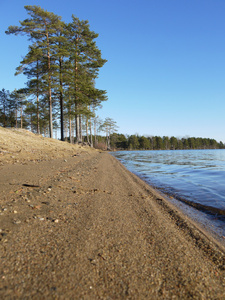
(37,207)
(15,211)
(56,221)
(17,222)
(41,219)
(93,261)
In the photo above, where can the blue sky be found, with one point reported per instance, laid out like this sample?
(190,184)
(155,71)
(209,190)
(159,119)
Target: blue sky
(165,73)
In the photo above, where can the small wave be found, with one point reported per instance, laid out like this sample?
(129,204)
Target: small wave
(202,207)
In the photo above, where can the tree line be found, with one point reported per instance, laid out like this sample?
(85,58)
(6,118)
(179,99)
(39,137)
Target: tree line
(18,112)
(61,66)
(135,142)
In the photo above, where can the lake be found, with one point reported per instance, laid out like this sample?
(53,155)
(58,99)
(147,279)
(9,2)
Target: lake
(193,178)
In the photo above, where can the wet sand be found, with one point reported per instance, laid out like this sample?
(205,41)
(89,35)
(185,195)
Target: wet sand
(84,227)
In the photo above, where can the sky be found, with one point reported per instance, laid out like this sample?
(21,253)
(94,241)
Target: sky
(165,73)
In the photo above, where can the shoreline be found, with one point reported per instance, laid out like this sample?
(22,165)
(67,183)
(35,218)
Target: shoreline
(201,218)
(182,192)
(83,226)
(173,206)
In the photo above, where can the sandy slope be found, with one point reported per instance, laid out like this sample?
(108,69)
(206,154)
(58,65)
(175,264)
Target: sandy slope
(19,145)
(83,227)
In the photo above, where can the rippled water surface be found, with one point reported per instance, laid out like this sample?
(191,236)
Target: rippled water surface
(195,176)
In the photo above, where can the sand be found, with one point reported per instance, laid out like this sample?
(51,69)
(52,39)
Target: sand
(76,224)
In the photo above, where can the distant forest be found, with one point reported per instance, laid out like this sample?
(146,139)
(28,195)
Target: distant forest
(18,114)
(135,142)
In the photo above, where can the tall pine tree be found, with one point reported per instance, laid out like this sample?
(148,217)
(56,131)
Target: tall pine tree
(41,28)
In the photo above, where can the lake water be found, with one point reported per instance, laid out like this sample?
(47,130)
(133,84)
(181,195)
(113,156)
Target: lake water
(194,178)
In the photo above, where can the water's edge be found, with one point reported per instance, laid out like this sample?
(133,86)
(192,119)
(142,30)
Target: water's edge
(210,218)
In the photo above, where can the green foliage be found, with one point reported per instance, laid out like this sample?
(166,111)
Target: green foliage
(144,143)
(5,109)
(61,65)
(11,108)
(119,141)
(135,142)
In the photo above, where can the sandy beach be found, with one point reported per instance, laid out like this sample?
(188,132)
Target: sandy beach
(76,224)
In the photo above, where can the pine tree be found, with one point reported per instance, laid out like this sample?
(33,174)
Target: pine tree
(33,67)
(109,127)
(85,61)
(41,28)
(4,107)
(62,63)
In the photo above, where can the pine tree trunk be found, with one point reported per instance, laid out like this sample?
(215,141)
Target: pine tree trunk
(49,86)
(16,112)
(77,123)
(95,133)
(4,114)
(73,130)
(80,127)
(70,126)
(65,129)
(61,100)
(77,120)
(21,117)
(31,123)
(38,117)
(87,131)
(91,133)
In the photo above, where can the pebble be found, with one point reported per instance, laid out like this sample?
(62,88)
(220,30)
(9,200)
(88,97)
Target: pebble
(93,261)
(56,221)
(15,211)
(17,222)
(45,202)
